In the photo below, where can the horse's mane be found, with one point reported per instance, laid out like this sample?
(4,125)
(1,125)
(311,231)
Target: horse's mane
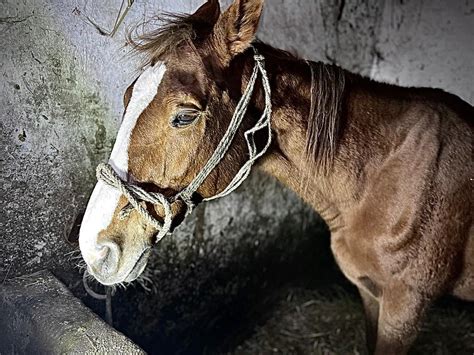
(328,85)
(328,81)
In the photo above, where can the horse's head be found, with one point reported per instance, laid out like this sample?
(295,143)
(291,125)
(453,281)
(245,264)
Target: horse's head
(176,115)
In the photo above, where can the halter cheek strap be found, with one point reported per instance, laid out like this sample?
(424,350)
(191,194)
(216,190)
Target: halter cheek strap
(226,141)
(135,194)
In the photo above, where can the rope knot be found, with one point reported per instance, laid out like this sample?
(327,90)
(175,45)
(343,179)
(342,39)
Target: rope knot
(135,196)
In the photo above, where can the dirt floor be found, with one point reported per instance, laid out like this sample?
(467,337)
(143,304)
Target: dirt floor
(280,302)
(309,322)
(320,314)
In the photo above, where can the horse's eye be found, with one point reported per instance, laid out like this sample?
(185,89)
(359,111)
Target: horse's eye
(184,118)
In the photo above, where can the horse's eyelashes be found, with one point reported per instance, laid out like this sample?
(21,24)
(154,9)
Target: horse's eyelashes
(184,118)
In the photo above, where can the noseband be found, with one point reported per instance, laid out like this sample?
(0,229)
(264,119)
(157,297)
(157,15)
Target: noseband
(135,194)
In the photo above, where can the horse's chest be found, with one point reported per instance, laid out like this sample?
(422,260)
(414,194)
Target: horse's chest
(357,258)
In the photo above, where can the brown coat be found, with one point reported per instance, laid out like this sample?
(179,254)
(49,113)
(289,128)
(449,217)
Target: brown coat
(388,168)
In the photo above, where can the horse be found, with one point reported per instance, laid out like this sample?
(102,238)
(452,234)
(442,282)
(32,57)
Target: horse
(388,168)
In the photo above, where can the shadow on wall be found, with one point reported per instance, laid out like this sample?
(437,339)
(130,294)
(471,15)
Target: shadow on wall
(208,302)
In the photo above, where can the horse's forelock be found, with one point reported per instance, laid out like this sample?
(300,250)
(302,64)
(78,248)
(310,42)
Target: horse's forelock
(171,32)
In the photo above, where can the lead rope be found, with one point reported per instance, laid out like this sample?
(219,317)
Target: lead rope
(135,195)
(107,297)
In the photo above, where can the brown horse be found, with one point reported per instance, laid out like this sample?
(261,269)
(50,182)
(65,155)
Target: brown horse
(388,168)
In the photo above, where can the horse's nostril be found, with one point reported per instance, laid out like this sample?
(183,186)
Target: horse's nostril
(102,252)
(107,258)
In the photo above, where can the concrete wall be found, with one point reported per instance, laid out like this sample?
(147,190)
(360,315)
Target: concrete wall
(62,86)
(61,103)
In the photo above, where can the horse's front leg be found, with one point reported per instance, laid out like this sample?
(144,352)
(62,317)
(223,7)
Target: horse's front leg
(371,310)
(401,309)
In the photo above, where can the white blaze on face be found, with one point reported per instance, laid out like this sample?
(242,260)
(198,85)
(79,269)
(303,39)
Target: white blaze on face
(104,199)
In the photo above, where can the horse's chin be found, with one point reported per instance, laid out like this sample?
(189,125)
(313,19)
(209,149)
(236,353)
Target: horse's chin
(139,266)
(129,272)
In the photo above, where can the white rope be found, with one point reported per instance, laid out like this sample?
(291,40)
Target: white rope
(262,123)
(135,195)
(226,141)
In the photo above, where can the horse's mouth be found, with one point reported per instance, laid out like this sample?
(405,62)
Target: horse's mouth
(139,266)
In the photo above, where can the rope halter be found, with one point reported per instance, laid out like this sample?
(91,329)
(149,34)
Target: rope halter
(135,194)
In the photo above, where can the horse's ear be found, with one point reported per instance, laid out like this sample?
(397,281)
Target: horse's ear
(208,13)
(235,30)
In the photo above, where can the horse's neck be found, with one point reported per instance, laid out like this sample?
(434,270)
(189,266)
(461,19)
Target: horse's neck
(326,192)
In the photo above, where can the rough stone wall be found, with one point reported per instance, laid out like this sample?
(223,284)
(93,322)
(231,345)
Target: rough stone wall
(61,104)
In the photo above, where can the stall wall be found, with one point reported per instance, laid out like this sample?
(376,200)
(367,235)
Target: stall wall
(61,105)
